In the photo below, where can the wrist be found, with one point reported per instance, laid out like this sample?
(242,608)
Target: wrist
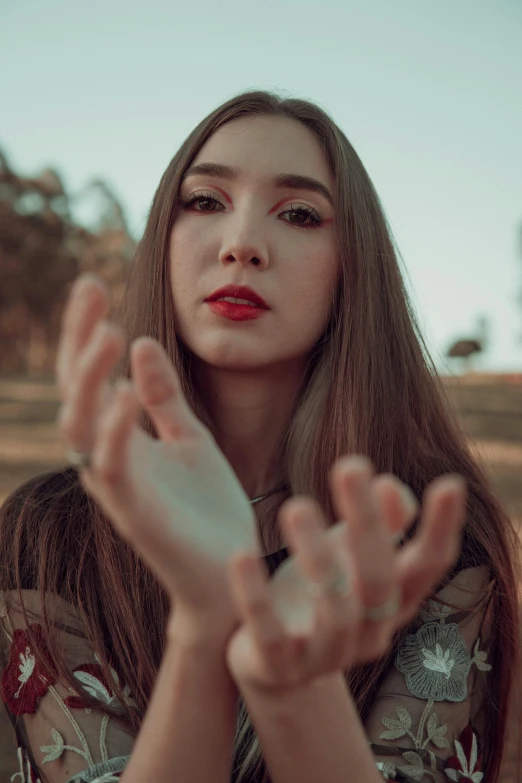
(195,635)
(282,699)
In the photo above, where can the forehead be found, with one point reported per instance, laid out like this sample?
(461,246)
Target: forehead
(261,146)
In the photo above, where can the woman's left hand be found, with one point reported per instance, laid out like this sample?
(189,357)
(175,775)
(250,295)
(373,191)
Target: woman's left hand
(289,637)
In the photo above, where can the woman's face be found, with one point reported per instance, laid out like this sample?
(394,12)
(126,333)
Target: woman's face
(214,240)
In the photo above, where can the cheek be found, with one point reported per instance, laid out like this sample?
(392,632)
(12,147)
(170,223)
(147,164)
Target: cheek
(184,260)
(315,296)
(317,277)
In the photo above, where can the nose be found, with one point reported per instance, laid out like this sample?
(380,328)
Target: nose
(244,259)
(242,249)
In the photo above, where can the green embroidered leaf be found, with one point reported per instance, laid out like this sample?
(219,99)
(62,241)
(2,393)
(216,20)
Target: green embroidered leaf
(53,751)
(436,733)
(439,739)
(433,610)
(404,717)
(432,724)
(416,770)
(397,728)
(479,658)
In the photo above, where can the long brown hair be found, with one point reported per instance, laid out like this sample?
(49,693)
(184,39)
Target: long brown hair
(370,388)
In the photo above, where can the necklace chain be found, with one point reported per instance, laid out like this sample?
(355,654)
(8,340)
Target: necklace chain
(272,491)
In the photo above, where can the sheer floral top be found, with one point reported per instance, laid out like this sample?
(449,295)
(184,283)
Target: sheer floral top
(426,723)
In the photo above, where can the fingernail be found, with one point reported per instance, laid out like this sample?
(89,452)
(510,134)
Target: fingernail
(449,482)
(79,283)
(453,481)
(355,463)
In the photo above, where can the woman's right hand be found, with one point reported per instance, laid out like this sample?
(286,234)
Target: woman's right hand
(175,499)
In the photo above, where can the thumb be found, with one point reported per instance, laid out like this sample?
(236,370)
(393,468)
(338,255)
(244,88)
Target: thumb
(159,391)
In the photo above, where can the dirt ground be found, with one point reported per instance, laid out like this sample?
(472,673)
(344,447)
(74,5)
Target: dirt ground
(489,407)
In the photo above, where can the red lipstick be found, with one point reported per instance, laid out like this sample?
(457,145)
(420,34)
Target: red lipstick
(239,311)
(236,312)
(238,292)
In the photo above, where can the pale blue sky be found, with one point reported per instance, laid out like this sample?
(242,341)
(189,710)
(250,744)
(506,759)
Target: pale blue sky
(429,94)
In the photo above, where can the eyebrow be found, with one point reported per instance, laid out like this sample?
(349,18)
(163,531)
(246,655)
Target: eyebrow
(292,181)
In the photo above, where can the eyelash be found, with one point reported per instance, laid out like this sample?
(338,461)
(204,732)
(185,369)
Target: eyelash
(315,217)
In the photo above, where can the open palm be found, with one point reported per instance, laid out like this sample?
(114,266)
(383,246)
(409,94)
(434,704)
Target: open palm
(288,636)
(176,498)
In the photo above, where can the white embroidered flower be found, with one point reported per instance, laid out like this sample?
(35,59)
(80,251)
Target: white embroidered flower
(435,662)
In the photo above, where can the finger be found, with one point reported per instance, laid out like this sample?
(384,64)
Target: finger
(110,458)
(425,560)
(159,391)
(88,303)
(397,504)
(78,419)
(368,539)
(320,559)
(107,479)
(249,588)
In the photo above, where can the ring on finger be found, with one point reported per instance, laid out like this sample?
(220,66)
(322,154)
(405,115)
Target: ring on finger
(338,585)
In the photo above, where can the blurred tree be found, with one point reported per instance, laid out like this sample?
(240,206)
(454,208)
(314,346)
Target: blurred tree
(42,251)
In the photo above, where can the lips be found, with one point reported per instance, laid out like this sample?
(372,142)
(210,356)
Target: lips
(239,292)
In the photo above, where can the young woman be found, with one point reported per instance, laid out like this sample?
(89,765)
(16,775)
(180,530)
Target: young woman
(142,638)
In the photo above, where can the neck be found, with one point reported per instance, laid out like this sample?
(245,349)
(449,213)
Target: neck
(250,410)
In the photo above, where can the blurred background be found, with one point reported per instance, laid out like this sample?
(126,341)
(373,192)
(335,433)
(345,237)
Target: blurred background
(95,99)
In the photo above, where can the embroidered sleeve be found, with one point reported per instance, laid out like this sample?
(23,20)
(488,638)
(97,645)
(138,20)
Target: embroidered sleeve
(427,721)
(60,740)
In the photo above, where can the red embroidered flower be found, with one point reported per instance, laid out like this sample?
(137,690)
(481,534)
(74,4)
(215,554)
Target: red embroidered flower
(24,681)
(466,766)
(94,681)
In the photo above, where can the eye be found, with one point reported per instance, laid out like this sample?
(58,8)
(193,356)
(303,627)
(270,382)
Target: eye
(200,197)
(304,212)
